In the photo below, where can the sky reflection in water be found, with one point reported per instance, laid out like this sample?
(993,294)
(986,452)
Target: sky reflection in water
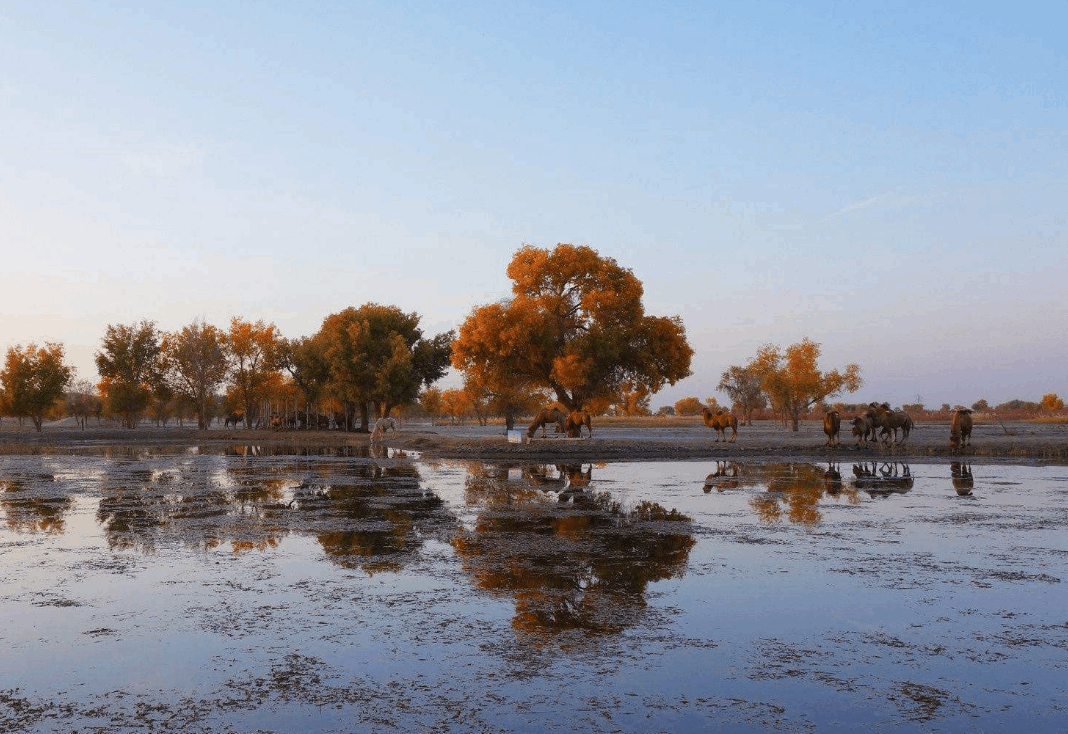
(323,589)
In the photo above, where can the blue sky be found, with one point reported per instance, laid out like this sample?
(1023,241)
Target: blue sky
(887,179)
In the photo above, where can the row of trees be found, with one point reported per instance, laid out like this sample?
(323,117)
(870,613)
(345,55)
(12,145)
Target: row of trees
(365,360)
(573,331)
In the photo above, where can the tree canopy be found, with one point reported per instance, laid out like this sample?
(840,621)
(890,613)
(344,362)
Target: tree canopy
(195,364)
(793,381)
(129,367)
(743,387)
(373,354)
(575,325)
(34,379)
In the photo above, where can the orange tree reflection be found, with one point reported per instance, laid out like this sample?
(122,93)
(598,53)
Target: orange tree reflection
(572,558)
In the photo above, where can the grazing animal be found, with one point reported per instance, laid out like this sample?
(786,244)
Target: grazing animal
(234,419)
(545,417)
(960,430)
(863,428)
(381,426)
(889,422)
(832,424)
(576,419)
(720,421)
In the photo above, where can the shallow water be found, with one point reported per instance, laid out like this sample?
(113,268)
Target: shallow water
(327,590)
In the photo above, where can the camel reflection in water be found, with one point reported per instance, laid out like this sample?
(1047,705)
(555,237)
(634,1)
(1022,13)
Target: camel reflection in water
(793,491)
(582,566)
(882,479)
(726,475)
(961,475)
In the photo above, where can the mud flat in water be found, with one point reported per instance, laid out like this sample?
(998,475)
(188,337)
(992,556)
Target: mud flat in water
(330,588)
(612,440)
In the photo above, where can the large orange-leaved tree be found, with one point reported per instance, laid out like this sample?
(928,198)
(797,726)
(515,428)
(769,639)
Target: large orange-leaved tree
(575,325)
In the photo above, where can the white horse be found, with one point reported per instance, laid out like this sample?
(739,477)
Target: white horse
(381,426)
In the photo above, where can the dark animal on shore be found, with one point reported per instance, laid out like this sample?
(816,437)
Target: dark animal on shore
(960,431)
(889,422)
(277,422)
(545,417)
(234,418)
(863,428)
(576,419)
(832,424)
(720,421)
(961,474)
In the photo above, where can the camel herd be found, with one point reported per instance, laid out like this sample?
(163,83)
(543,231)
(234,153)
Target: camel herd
(570,424)
(879,423)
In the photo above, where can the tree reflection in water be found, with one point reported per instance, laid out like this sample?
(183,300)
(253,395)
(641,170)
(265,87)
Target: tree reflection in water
(792,491)
(364,514)
(376,524)
(582,566)
(35,504)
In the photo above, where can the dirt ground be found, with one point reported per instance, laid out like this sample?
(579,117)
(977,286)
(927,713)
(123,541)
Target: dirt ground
(612,439)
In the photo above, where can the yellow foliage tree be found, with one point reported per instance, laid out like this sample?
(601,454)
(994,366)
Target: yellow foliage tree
(689,406)
(33,380)
(1051,403)
(793,381)
(575,325)
(253,349)
(456,404)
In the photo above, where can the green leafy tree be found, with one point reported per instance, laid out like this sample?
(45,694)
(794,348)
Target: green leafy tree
(82,401)
(743,387)
(129,367)
(195,364)
(377,358)
(34,379)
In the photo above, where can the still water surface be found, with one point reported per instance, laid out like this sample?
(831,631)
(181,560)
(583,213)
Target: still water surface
(326,590)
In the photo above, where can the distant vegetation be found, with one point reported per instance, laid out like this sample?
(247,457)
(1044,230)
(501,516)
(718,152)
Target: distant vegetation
(573,333)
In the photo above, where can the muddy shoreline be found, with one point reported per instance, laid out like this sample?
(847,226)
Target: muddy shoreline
(1025,442)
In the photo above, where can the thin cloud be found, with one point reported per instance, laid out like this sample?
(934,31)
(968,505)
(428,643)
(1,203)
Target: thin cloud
(891,202)
(161,162)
